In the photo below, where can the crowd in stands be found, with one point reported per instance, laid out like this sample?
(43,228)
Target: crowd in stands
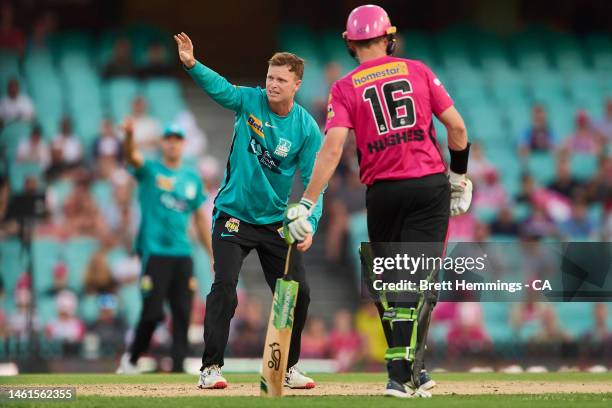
(90,200)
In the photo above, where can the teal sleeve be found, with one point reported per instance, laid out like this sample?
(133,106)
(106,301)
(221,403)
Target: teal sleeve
(140,173)
(216,86)
(306,165)
(200,197)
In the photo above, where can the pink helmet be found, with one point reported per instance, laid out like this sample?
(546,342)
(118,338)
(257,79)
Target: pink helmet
(366,22)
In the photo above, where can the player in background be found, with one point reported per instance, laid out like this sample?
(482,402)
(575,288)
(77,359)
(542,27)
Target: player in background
(169,193)
(273,138)
(389,103)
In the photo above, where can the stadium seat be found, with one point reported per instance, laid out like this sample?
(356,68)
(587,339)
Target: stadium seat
(542,167)
(77,253)
(12,134)
(118,95)
(575,317)
(130,303)
(12,264)
(496,320)
(46,253)
(88,308)
(164,98)
(19,172)
(583,166)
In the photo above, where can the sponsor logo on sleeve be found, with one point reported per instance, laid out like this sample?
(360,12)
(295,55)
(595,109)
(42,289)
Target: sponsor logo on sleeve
(330,108)
(389,70)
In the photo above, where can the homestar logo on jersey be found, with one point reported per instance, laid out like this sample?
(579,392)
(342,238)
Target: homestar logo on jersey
(256,125)
(283,147)
(389,70)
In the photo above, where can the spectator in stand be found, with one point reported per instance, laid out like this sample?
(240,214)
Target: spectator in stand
(81,214)
(346,199)
(344,341)
(126,269)
(490,193)
(18,319)
(604,126)
(57,168)
(599,188)
(122,214)
(504,223)
(249,332)
(107,144)
(600,332)
(579,226)
(374,344)
(11,37)
(585,138)
(60,278)
(467,333)
(108,327)
(146,128)
(15,106)
(68,143)
(538,224)
(527,188)
(157,63)
(564,183)
(525,316)
(33,149)
(4,197)
(550,332)
(66,328)
(44,27)
(539,136)
(479,166)
(333,72)
(462,227)
(98,277)
(315,339)
(120,63)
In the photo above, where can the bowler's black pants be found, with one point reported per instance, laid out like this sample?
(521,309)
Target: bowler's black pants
(232,241)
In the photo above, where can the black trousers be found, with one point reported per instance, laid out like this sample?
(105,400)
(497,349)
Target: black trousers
(232,241)
(413,210)
(165,277)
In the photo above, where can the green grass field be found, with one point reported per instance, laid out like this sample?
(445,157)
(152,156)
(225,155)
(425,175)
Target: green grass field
(152,381)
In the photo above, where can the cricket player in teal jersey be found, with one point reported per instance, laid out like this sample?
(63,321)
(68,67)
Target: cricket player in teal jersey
(169,193)
(273,138)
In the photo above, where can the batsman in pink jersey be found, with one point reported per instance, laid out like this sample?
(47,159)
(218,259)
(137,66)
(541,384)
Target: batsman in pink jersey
(389,103)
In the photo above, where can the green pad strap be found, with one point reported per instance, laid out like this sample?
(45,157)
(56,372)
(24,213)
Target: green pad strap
(400,353)
(400,313)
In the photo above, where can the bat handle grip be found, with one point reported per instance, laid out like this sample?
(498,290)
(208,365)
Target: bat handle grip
(287,261)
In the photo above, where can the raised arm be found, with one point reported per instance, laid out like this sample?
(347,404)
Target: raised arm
(216,86)
(132,154)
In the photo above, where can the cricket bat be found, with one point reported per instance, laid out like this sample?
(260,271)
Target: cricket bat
(278,337)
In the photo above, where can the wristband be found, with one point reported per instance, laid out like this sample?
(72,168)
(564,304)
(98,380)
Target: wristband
(306,203)
(459,159)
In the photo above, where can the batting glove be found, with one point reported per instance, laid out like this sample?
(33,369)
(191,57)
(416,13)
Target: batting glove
(461,193)
(296,225)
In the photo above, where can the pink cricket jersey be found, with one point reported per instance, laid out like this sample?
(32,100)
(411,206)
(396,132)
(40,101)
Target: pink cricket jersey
(389,103)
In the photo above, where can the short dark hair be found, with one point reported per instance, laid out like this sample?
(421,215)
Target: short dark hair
(295,63)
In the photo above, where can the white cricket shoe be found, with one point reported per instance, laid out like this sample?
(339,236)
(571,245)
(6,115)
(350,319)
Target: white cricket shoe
(126,367)
(296,379)
(211,378)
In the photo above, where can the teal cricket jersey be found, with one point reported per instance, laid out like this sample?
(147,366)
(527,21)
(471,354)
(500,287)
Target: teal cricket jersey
(167,198)
(266,151)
